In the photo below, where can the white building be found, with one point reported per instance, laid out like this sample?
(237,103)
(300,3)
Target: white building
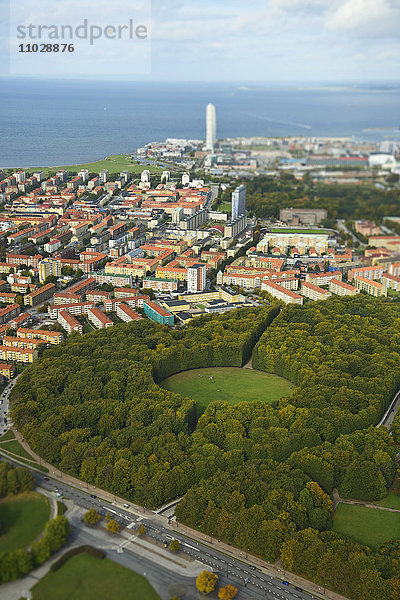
(211,127)
(104,174)
(166,176)
(145,176)
(196,278)
(185,178)
(239,202)
(84,173)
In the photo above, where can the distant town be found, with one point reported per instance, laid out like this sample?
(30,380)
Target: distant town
(82,250)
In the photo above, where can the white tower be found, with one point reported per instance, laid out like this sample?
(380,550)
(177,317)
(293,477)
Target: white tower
(211,127)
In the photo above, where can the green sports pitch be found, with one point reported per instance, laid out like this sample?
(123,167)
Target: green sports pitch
(229,384)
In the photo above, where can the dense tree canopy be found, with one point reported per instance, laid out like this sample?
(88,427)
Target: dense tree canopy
(256,475)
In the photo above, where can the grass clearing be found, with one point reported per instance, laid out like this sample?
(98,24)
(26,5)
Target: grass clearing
(391,501)
(84,577)
(23,518)
(230,384)
(369,526)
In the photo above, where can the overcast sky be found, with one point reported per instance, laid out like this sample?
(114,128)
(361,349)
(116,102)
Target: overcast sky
(272,40)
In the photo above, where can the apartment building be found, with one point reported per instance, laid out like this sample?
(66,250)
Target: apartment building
(132,301)
(8,313)
(69,323)
(98,296)
(24,355)
(66,298)
(47,267)
(314,292)
(121,292)
(7,298)
(375,272)
(171,273)
(394,269)
(82,287)
(40,295)
(160,285)
(21,342)
(196,278)
(99,319)
(323,278)
(281,293)
(340,288)
(19,320)
(125,313)
(373,288)
(7,370)
(157,313)
(81,308)
(391,282)
(113,279)
(50,337)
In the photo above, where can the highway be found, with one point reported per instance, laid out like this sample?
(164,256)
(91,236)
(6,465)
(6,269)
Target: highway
(246,577)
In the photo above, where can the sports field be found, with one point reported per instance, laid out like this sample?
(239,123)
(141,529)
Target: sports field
(84,577)
(230,384)
(23,518)
(369,526)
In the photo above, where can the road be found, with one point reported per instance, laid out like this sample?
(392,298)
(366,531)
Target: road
(342,226)
(5,405)
(391,412)
(246,577)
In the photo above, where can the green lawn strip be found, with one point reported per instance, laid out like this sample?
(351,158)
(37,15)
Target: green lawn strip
(230,384)
(369,526)
(299,231)
(115,164)
(9,435)
(84,577)
(88,327)
(30,463)
(391,501)
(15,448)
(23,518)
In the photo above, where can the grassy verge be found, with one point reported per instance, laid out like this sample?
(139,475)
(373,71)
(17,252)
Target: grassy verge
(391,501)
(15,448)
(28,463)
(369,526)
(84,577)
(9,435)
(23,518)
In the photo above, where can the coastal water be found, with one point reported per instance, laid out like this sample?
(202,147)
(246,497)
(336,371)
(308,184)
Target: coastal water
(45,123)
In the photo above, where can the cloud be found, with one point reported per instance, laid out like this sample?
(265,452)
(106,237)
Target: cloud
(366,17)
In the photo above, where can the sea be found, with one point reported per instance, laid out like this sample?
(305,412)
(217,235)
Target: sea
(61,122)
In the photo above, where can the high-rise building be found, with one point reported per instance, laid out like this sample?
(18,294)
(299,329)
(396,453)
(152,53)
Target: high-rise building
(239,202)
(49,266)
(196,278)
(211,127)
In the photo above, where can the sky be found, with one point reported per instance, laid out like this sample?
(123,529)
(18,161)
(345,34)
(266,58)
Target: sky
(269,40)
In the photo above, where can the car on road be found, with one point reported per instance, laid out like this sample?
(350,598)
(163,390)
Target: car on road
(58,494)
(299,589)
(285,582)
(93,496)
(125,505)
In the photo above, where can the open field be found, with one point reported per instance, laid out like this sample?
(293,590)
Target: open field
(84,577)
(230,384)
(115,164)
(369,526)
(23,518)
(225,207)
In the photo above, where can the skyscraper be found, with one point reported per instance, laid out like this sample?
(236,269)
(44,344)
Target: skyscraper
(196,278)
(211,127)
(239,202)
